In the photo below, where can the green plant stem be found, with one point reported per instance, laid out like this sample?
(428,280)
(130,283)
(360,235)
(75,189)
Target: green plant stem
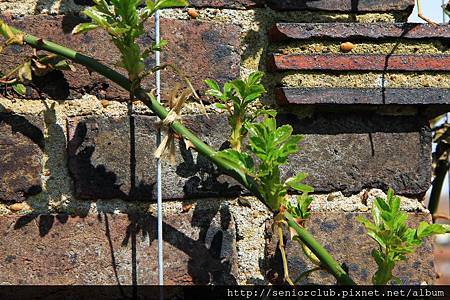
(247,181)
(306,274)
(440,172)
(322,254)
(235,139)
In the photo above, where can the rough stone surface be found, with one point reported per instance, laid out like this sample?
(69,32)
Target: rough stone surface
(250,215)
(343,5)
(106,163)
(195,46)
(201,50)
(239,4)
(423,96)
(120,249)
(344,237)
(358,31)
(359,62)
(352,151)
(21,152)
(340,152)
(227,3)
(334,5)
(358,202)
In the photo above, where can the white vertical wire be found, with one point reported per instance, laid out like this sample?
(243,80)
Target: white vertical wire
(158,165)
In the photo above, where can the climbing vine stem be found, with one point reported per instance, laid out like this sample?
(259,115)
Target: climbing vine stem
(149,100)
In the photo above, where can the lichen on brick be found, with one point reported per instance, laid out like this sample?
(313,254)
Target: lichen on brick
(400,47)
(362,80)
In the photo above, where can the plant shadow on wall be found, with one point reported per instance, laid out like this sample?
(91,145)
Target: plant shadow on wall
(205,264)
(27,142)
(406,27)
(202,259)
(97,178)
(47,5)
(271,144)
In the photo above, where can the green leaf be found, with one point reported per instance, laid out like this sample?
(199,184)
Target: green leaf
(390,195)
(255,78)
(25,73)
(302,188)
(395,204)
(295,183)
(220,106)
(99,18)
(171,3)
(214,93)
(19,88)
(297,178)
(377,238)
(212,85)
(239,86)
(394,237)
(84,27)
(64,65)
(304,201)
(252,97)
(267,112)
(159,46)
(282,133)
(376,215)
(242,160)
(424,230)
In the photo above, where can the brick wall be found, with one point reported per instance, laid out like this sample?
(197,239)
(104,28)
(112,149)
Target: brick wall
(75,209)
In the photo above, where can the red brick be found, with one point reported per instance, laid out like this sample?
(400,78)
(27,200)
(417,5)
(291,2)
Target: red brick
(360,62)
(117,249)
(200,49)
(343,5)
(373,96)
(358,31)
(21,152)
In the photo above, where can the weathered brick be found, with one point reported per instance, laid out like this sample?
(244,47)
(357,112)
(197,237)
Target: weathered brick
(360,62)
(374,96)
(118,249)
(21,151)
(343,5)
(194,46)
(102,164)
(201,50)
(352,151)
(340,152)
(358,31)
(240,4)
(344,237)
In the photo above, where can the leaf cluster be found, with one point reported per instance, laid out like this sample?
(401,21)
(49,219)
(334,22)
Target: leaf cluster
(300,210)
(269,148)
(236,98)
(394,237)
(124,21)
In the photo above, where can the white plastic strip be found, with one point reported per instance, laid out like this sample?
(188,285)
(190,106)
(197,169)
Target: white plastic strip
(158,165)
